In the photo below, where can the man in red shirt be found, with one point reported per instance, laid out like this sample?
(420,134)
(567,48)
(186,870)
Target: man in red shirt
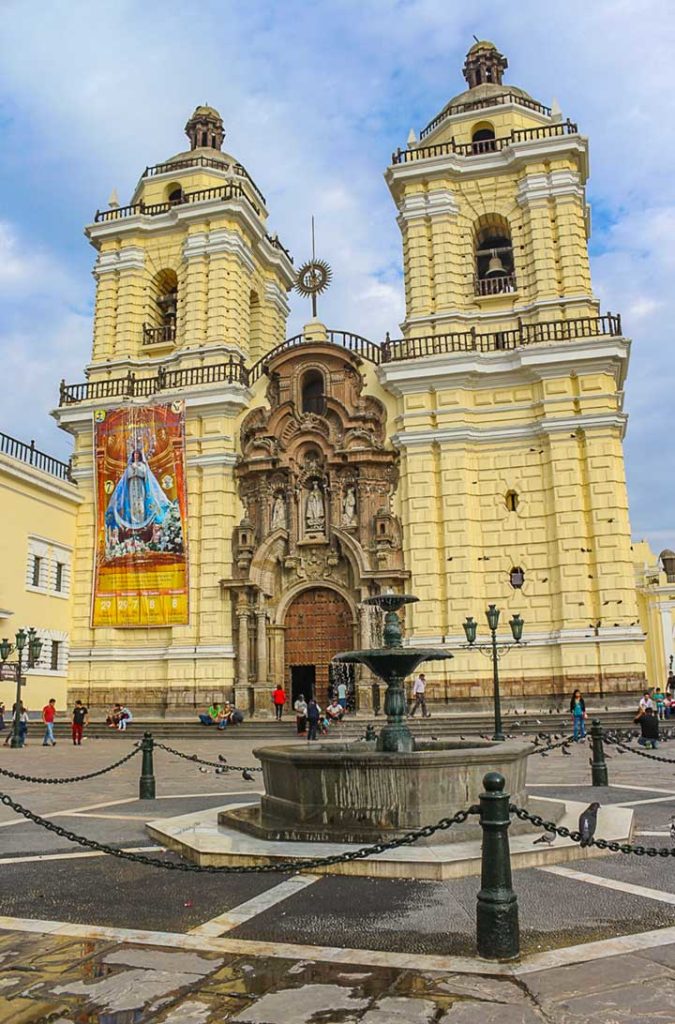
(279,698)
(48,716)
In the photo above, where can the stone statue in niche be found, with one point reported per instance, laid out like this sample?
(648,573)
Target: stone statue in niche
(279,513)
(349,507)
(315,513)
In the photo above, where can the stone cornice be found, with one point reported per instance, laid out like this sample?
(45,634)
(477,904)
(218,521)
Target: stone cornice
(546,427)
(26,474)
(486,369)
(434,203)
(562,637)
(219,240)
(510,158)
(146,652)
(177,357)
(539,188)
(277,297)
(145,224)
(129,257)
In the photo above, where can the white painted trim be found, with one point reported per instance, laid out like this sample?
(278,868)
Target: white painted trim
(91,370)
(277,297)
(434,203)
(129,257)
(214,459)
(539,188)
(529,362)
(480,165)
(552,638)
(220,240)
(29,474)
(146,652)
(466,434)
(451,317)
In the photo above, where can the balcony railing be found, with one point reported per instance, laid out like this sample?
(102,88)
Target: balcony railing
(498,285)
(352,342)
(495,101)
(231,372)
(233,190)
(273,240)
(202,161)
(495,341)
(32,456)
(483,146)
(165,334)
(235,372)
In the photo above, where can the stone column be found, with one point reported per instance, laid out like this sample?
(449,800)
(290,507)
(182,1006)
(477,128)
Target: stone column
(261,637)
(242,696)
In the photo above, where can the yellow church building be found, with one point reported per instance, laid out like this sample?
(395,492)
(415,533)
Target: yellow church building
(236,494)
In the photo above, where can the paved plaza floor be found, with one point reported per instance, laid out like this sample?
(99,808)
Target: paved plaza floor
(85,937)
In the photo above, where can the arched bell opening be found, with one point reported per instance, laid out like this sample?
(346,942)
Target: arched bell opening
(494,266)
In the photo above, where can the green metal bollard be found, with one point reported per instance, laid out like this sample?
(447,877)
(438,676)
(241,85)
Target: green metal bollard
(497,928)
(598,763)
(146,784)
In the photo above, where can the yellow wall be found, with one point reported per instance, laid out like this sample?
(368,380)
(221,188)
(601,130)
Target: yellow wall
(38,509)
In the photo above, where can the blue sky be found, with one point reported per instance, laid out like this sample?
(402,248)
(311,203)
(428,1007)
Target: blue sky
(315,97)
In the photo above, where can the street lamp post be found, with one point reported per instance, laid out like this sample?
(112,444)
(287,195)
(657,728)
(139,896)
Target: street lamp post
(22,638)
(492,649)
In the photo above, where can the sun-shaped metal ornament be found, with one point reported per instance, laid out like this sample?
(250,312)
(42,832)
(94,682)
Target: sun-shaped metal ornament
(313,277)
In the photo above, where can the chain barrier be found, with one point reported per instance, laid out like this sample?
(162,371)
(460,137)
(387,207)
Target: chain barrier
(222,765)
(552,746)
(640,753)
(281,867)
(72,778)
(602,844)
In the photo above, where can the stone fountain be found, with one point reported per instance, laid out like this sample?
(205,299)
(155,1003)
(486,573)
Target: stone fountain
(372,789)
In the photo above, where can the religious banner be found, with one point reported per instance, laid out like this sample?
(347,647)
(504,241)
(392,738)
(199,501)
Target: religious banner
(141,563)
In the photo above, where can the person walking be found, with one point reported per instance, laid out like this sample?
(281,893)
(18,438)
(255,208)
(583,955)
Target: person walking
(313,718)
(80,719)
(278,699)
(300,708)
(578,713)
(419,700)
(48,716)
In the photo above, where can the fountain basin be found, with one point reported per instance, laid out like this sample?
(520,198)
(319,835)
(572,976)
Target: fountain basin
(355,793)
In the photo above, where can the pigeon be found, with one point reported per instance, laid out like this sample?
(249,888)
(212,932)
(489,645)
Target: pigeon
(544,754)
(435,739)
(566,752)
(588,821)
(204,771)
(672,829)
(547,839)
(246,775)
(461,737)
(221,758)
(537,721)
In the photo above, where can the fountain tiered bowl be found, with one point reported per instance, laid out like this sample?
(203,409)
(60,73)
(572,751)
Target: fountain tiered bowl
(378,789)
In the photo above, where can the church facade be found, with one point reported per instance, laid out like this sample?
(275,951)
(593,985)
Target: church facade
(476,459)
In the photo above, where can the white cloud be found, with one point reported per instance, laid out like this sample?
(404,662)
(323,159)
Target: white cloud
(314,99)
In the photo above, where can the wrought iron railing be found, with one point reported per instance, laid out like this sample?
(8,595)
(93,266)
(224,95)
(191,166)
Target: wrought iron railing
(130,386)
(163,335)
(494,101)
(363,347)
(202,161)
(232,190)
(32,456)
(234,370)
(498,285)
(483,146)
(274,240)
(523,334)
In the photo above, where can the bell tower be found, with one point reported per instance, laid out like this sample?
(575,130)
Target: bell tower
(188,267)
(509,381)
(191,290)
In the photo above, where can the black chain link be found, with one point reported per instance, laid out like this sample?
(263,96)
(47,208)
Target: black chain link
(257,869)
(633,750)
(72,778)
(602,844)
(552,746)
(211,764)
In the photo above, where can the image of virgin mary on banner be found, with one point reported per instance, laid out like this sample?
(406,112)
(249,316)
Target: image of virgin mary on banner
(141,567)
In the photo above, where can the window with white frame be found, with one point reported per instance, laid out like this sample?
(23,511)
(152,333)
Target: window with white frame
(54,653)
(48,567)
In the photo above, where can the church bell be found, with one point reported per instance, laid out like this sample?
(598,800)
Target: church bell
(495,266)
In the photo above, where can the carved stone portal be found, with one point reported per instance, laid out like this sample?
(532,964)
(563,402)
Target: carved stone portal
(316,478)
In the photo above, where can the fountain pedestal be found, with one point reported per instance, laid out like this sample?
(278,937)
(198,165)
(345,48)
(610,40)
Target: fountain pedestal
(354,793)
